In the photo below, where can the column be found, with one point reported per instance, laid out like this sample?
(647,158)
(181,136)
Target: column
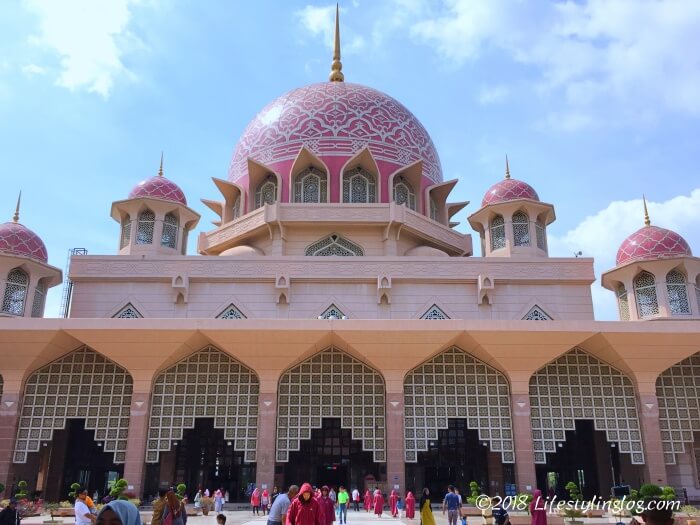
(655,466)
(9,417)
(267,435)
(525,476)
(395,467)
(135,464)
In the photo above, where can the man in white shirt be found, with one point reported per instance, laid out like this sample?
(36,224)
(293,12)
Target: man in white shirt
(356,499)
(83,516)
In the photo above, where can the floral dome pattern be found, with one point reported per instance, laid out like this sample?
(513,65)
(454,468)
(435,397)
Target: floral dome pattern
(509,190)
(652,242)
(159,187)
(336,119)
(17,239)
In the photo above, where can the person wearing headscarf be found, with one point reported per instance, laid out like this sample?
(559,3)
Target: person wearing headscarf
(159,508)
(538,508)
(410,505)
(119,512)
(265,501)
(218,501)
(368,500)
(175,508)
(378,502)
(426,513)
(394,503)
(255,501)
(326,506)
(305,509)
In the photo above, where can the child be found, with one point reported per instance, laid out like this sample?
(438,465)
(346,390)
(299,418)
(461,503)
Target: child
(220,519)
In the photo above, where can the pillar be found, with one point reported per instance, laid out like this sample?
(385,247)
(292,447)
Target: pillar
(135,464)
(655,466)
(267,435)
(395,467)
(525,475)
(9,417)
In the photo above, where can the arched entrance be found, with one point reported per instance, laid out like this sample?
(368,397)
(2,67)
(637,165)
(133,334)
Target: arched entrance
(585,426)
(74,422)
(203,424)
(457,425)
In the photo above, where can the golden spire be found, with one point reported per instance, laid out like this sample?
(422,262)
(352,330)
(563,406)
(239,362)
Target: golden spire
(507,168)
(647,222)
(336,67)
(160,170)
(16,217)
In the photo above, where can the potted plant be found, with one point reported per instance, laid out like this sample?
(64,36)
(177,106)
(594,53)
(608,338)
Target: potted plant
(574,493)
(118,489)
(73,494)
(21,491)
(570,515)
(52,508)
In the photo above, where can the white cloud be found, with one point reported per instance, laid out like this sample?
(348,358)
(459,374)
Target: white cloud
(89,37)
(320,21)
(600,235)
(33,69)
(493,94)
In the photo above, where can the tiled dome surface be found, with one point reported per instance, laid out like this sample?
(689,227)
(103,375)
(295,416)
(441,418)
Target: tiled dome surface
(17,239)
(159,188)
(509,190)
(652,242)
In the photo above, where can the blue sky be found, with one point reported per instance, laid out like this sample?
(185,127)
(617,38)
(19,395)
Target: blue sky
(595,102)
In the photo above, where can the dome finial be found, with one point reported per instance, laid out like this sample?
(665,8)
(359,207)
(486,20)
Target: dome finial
(507,168)
(19,200)
(336,67)
(160,170)
(647,222)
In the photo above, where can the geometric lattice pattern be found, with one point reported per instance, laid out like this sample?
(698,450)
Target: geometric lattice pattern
(82,384)
(509,190)
(231,312)
(128,312)
(331,384)
(645,293)
(334,246)
(434,312)
(623,303)
(207,384)
(677,292)
(145,227)
(332,312)
(498,233)
(521,229)
(359,186)
(310,186)
(678,393)
(266,192)
(537,314)
(580,386)
(541,237)
(403,193)
(453,384)
(15,295)
(651,243)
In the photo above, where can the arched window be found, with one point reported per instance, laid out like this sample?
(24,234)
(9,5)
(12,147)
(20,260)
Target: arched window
(623,303)
(266,192)
(310,186)
(359,186)
(677,293)
(15,292)
(403,192)
(433,209)
(237,208)
(169,237)
(498,233)
(645,293)
(541,238)
(39,299)
(126,232)
(145,226)
(334,245)
(521,229)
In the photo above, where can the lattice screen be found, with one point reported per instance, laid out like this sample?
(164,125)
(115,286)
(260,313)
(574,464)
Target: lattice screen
(678,392)
(231,312)
(128,312)
(434,312)
(211,384)
(537,314)
(331,384)
(82,384)
(453,384)
(581,386)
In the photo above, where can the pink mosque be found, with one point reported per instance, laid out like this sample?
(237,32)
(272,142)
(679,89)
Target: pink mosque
(335,327)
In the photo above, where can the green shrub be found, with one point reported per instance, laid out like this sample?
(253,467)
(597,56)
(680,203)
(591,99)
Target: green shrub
(475,492)
(668,494)
(22,490)
(574,493)
(180,490)
(74,490)
(118,489)
(650,491)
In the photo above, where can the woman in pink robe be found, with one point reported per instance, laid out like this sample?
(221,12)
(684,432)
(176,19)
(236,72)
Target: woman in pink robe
(538,508)
(368,500)
(410,506)
(379,503)
(394,503)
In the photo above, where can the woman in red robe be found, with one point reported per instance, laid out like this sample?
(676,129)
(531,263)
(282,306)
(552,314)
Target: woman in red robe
(410,506)
(368,500)
(379,503)
(394,503)
(538,508)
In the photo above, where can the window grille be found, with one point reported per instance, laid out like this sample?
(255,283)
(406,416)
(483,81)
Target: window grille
(15,292)
(498,233)
(128,312)
(332,312)
(433,209)
(145,227)
(169,237)
(403,193)
(537,314)
(231,312)
(237,208)
(541,237)
(39,299)
(521,229)
(334,246)
(645,293)
(359,186)
(266,192)
(623,303)
(310,186)
(126,233)
(434,312)
(677,293)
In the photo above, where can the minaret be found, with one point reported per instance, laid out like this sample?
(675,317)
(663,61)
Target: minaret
(336,67)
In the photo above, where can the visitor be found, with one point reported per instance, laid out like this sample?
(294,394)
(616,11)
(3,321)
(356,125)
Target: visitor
(9,515)
(356,499)
(500,514)
(538,508)
(279,507)
(206,493)
(218,501)
(394,503)
(426,513)
(275,493)
(658,512)
(220,519)
(410,505)
(305,509)
(91,504)
(119,512)
(451,504)
(265,501)
(378,502)
(174,509)
(226,496)
(459,495)
(327,506)
(368,500)
(198,499)
(83,516)
(255,501)
(399,506)
(343,499)
(159,507)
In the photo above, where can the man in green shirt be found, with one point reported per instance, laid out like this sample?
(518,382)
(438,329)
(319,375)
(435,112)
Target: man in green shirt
(343,498)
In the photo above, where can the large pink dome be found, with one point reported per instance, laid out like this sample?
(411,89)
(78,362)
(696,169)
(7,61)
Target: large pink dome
(159,187)
(652,242)
(17,239)
(336,119)
(509,190)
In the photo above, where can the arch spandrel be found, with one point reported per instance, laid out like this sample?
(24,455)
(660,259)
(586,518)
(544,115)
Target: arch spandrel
(80,385)
(331,384)
(207,384)
(578,385)
(454,384)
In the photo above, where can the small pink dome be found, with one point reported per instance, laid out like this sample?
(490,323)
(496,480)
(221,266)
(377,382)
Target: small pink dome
(159,187)
(509,190)
(17,239)
(652,242)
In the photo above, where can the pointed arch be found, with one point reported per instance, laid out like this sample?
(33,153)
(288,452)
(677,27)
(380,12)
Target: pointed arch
(39,298)
(145,227)
(497,227)
(125,237)
(677,292)
(334,245)
(301,182)
(333,384)
(521,229)
(360,182)
(454,384)
(578,385)
(623,303)
(211,384)
(80,385)
(645,295)
(16,288)
(168,238)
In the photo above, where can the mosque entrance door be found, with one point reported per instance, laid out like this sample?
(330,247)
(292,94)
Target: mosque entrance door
(456,458)
(204,459)
(331,457)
